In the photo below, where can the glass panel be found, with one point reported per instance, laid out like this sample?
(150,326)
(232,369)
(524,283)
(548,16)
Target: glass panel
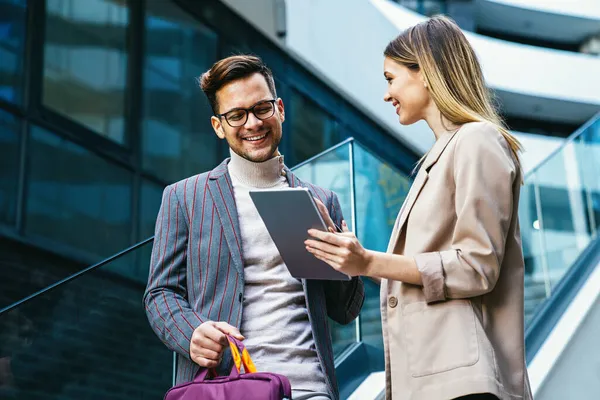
(87,208)
(12,46)
(150,198)
(88,339)
(312,130)
(564,211)
(568,201)
(177,137)
(536,273)
(85,63)
(380,191)
(9,166)
(588,155)
(332,171)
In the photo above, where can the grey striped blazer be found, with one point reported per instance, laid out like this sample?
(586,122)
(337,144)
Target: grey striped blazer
(197,270)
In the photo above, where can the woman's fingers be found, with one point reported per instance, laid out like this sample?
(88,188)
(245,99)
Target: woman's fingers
(325,247)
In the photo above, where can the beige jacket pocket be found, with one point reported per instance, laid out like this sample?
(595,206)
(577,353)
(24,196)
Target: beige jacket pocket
(440,337)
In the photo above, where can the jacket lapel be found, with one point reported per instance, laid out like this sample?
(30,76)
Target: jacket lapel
(418,184)
(221,191)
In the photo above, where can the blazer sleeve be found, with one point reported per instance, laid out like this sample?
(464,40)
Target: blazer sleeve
(484,173)
(165,298)
(344,299)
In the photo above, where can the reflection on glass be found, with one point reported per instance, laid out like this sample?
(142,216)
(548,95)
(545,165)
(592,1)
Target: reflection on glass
(85,63)
(312,130)
(87,208)
(12,46)
(380,191)
(9,166)
(88,339)
(332,171)
(177,138)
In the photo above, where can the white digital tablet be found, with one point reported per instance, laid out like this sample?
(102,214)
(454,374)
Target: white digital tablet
(288,215)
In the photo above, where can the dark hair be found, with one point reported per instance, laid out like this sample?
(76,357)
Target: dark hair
(231,69)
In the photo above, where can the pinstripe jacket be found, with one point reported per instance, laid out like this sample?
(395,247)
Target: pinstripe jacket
(197,270)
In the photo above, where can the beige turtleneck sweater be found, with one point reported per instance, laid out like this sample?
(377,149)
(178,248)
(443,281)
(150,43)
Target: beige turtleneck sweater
(274,319)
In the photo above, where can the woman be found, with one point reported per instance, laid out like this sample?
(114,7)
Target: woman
(452,279)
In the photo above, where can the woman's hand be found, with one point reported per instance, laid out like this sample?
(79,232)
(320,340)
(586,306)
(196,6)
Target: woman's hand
(325,215)
(342,251)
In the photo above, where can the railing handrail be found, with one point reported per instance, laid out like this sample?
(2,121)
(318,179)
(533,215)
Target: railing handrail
(76,275)
(570,139)
(135,246)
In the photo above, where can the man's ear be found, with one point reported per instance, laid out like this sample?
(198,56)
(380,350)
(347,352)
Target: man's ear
(280,108)
(217,126)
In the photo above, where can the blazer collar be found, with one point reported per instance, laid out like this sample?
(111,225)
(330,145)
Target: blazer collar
(422,176)
(438,148)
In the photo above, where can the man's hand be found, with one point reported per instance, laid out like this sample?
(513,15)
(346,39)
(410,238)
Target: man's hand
(325,215)
(208,342)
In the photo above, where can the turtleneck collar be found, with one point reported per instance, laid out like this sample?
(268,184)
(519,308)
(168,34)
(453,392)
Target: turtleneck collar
(258,175)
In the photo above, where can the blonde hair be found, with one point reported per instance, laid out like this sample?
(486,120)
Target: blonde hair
(438,48)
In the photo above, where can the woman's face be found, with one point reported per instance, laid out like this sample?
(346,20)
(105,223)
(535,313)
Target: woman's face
(406,91)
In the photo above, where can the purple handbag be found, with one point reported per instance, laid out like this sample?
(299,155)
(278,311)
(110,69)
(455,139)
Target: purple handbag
(251,385)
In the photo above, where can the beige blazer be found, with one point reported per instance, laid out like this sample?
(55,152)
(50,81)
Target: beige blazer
(462,331)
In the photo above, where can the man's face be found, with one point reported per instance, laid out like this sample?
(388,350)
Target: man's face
(258,138)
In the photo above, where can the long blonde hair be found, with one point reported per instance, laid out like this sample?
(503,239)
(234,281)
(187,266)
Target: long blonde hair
(438,48)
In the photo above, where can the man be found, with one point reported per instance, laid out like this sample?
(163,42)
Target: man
(215,270)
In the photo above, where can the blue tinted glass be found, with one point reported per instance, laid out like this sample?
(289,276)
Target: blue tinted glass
(9,166)
(85,63)
(150,199)
(12,45)
(77,198)
(380,191)
(177,138)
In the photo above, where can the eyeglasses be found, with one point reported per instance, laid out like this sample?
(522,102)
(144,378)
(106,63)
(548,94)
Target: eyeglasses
(238,116)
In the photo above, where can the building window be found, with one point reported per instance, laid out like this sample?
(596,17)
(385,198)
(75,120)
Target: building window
(77,198)
(312,129)
(9,166)
(12,44)
(177,137)
(85,63)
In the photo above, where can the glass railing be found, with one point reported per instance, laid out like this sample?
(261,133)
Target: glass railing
(371,193)
(559,212)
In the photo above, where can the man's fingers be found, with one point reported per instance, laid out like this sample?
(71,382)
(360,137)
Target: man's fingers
(229,330)
(207,343)
(212,337)
(204,362)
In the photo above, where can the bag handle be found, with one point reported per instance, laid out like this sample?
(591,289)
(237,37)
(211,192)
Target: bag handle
(240,357)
